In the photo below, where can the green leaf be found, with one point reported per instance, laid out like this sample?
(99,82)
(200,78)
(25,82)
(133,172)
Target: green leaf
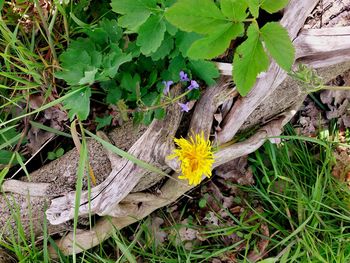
(234,9)
(184,41)
(134,20)
(150,98)
(254,6)
(279,45)
(113,31)
(176,65)
(159,114)
(79,62)
(78,104)
(112,61)
(171,29)
(73,63)
(103,122)
(5,156)
(134,12)
(137,117)
(200,16)
(51,156)
(148,117)
(165,48)
(89,77)
(59,152)
(250,59)
(7,134)
(216,43)
(205,70)
(114,93)
(151,34)
(202,203)
(132,85)
(272,6)
(194,94)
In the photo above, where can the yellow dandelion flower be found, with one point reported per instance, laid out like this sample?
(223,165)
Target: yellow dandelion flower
(196,157)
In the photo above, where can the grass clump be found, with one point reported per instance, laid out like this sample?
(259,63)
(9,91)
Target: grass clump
(306,208)
(296,197)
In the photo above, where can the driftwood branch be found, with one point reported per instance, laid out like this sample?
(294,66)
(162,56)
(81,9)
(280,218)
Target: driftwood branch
(139,205)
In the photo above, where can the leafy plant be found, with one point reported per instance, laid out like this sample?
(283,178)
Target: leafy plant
(219,25)
(55,154)
(129,66)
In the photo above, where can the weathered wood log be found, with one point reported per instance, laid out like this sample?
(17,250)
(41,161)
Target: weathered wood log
(272,102)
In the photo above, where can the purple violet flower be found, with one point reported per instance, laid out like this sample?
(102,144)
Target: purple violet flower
(183,76)
(184,106)
(194,85)
(167,85)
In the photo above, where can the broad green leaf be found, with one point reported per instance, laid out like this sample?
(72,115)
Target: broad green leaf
(80,57)
(216,43)
(148,117)
(150,99)
(112,29)
(234,9)
(89,77)
(164,49)
(205,70)
(73,63)
(112,61)
(134,12)
(103,122)
(5,156)
(254,6)
(132,85)
(176,65)
(7,134)
(278,44)
(134,20)
(184,41)
(151,34)
(159,113)
(106,31)
(200,16)
(114,93)
(250,59)
(170,28)
(272,6)
(78,104)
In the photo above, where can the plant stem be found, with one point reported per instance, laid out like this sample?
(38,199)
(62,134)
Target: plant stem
(334,88)
(162,105)
(47,29)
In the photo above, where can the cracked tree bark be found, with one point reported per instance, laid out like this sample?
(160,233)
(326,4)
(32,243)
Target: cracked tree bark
(118,197)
